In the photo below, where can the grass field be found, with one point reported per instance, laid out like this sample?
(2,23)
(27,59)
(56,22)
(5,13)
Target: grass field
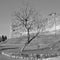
(43,40)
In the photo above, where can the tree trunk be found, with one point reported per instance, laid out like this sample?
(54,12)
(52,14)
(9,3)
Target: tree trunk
(28,34)
(28,38)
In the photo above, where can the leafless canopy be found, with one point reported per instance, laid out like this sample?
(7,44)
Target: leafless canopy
(29,19)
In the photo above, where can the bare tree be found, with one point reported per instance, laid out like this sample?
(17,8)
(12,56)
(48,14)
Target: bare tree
(28,18)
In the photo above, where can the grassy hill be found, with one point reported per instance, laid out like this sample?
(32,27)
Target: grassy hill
(51,53)
(42,40)
(45,41)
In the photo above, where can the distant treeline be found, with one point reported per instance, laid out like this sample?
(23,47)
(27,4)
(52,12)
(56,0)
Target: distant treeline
(3,38)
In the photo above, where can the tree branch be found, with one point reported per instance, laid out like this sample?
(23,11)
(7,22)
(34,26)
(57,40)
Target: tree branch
(33,37)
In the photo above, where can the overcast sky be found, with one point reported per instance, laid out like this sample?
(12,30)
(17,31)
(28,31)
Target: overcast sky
(8,6)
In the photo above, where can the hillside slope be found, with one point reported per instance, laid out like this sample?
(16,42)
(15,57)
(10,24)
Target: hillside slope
(41,40)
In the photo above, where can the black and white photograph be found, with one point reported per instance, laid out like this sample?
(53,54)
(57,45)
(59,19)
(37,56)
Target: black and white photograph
(29,29)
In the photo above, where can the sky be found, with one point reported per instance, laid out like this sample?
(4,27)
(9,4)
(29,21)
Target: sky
(7,7)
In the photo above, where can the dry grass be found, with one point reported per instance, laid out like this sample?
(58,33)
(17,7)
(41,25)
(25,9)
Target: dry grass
(45,40)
